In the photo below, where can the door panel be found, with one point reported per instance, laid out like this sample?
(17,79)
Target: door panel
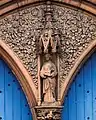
(13,103)
(80,101)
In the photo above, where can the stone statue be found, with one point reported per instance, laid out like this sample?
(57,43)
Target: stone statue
(49,40)
(48,73)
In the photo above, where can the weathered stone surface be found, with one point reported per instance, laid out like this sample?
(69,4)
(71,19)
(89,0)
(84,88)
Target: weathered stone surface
(77,31)
(20,30)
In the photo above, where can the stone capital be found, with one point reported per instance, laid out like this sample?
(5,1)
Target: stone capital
(48,112)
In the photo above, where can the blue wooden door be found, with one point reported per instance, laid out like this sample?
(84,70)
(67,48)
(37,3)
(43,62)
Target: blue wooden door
(80,101)
(13,103)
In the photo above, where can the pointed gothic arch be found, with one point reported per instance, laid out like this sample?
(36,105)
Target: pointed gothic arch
(80,61)
(21,73)
(88,5)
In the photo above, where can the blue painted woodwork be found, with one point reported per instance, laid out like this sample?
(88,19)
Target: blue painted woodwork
(80,101)
(13,103)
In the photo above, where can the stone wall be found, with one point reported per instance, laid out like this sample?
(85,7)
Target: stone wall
(77,30)
(21,30)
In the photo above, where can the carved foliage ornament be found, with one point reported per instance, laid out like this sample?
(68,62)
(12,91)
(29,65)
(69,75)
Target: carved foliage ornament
(48,113)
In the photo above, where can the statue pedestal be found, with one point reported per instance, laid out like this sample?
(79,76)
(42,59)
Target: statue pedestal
(48,112)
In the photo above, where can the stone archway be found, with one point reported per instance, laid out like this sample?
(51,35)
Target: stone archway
(79,102)
(77,67)
(85,5)
(25,79)
(21,73)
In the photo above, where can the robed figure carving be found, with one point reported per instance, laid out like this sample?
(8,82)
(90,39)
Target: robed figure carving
(48,73)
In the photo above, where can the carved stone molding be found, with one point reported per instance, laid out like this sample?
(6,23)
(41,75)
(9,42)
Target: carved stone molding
(48,113)
(20,72)
(88,5)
